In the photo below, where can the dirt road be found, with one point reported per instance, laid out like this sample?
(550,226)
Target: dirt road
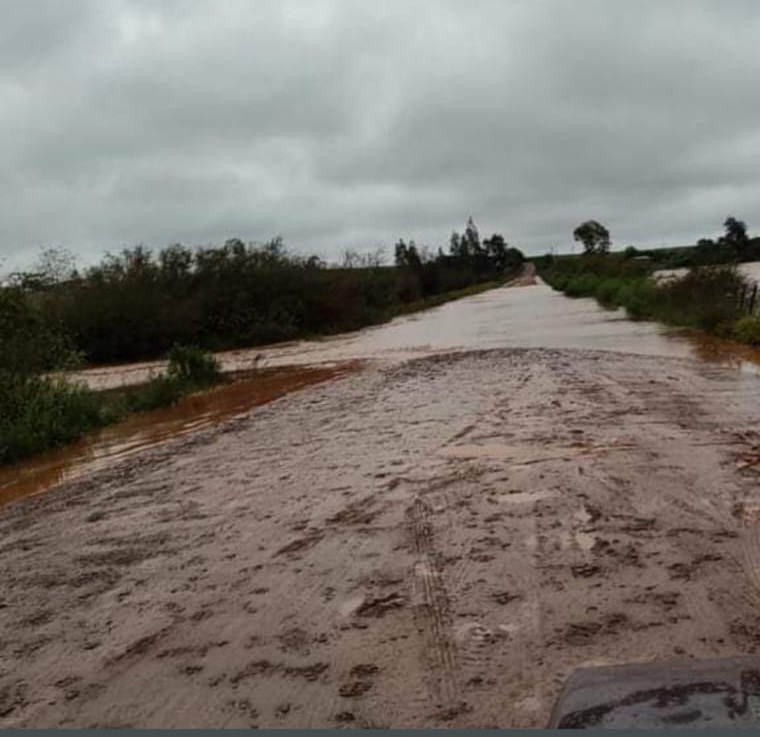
(433,543)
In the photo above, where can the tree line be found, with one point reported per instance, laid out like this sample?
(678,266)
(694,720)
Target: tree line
(733,246)
(138,303)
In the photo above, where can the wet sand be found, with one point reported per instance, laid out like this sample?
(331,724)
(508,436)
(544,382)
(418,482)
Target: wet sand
(434,542)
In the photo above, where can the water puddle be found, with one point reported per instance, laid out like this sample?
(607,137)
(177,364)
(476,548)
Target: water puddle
(146,429)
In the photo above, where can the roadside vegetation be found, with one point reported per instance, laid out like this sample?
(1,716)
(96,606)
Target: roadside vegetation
(713,297)
(733,246)
(40,410)
(137,304)
(181,303)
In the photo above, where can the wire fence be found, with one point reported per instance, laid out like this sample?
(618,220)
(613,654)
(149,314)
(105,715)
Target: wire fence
(748,299)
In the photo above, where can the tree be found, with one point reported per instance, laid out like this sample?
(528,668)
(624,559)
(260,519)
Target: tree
(413,259)
(407,256)
(176,262)
(736,234)
(400,253)
(496,249)
(458,246)
(471,238)
(351,259)
(57,265)
(594,236)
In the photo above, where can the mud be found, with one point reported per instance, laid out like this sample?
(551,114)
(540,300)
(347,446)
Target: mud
(100,449)
(435,542)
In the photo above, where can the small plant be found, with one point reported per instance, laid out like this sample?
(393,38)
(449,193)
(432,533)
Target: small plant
(191,365)
(747,329)
(160,391)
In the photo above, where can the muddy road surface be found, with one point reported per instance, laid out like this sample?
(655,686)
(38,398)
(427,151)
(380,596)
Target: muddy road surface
(434,542)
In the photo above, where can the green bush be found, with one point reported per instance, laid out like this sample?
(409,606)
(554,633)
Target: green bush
(188,369)
(191,365)
(161,391)
(608,291)
(37,414)
(747,329)
(637,298)
(706,298)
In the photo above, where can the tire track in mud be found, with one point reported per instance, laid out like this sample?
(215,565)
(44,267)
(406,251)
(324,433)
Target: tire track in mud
(432,607)
(413,588)
(748,517)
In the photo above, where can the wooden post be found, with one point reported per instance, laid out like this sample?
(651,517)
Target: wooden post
(752,299)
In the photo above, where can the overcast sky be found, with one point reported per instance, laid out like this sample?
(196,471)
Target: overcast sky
(348,123)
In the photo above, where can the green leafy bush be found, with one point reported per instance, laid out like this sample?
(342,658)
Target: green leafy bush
(39,413)
(747,329)
(188,369)
(191,365)
(706,297)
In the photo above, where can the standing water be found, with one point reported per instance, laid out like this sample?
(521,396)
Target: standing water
(533,316)
(526,316)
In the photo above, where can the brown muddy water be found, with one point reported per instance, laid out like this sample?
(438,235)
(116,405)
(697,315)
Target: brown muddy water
(532,316)
(524,317)
(146,429)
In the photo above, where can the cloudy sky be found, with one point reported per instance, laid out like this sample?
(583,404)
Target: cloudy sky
(348,123)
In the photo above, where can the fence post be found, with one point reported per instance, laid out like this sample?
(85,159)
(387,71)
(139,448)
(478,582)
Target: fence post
(752,299)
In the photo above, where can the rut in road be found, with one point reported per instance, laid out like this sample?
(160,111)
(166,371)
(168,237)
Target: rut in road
(433,608)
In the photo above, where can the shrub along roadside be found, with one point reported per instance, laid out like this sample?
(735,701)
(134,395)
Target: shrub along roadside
(706,298)
(39,413)
(747,329)
(188,370)
(42,413)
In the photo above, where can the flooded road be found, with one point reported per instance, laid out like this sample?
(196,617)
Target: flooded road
(525,317)
(528,316)
(99,450)
(436,538)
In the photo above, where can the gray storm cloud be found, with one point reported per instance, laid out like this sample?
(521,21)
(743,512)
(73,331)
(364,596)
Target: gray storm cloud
(348,124)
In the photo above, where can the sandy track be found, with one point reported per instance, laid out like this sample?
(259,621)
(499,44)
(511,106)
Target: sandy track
(437,543)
